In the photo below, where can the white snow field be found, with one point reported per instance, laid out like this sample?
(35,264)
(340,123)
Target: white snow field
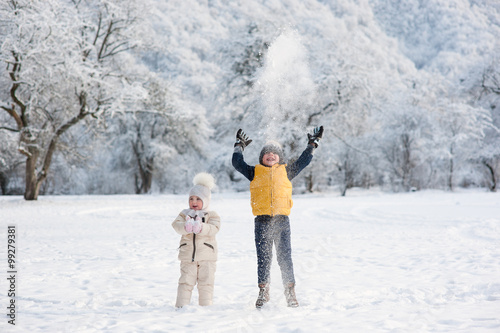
(370,262)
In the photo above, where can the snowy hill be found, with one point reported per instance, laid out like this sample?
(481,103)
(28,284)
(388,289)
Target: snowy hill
(450,37)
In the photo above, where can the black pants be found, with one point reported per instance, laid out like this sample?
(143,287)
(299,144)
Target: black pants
(268,231)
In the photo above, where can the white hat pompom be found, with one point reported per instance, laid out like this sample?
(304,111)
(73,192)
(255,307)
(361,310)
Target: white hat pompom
(204,179)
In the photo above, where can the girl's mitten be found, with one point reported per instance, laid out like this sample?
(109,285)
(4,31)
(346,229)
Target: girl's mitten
(188,226)
(197,226)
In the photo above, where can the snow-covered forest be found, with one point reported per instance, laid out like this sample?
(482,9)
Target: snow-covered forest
(125,96)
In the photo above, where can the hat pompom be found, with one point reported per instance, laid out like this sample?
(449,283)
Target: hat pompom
(204,179)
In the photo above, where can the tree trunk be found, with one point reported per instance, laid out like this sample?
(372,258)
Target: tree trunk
(452,165)
(309,182)
(32,187)
(144,179)
(3,183)
(450,176)
(148,179)
(346,178)
(35,180)
(406,163)
(343,190)
(493,186)
(143,182)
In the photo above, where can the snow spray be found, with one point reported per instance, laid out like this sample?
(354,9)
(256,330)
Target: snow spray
(286,87)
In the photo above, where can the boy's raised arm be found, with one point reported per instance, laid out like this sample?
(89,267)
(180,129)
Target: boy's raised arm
(238,161)
(305,158)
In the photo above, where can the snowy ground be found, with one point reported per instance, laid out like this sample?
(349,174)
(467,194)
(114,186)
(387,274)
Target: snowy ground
(369,262)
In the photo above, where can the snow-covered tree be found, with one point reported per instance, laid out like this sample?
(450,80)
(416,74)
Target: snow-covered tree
(460,132)
(485,90)
(63,63)
(150,141)
(402,145)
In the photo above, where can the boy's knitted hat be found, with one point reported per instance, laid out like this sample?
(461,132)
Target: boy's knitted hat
(272,147)
(203,184)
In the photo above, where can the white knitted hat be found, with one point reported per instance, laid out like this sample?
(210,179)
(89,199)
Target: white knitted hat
(203,185)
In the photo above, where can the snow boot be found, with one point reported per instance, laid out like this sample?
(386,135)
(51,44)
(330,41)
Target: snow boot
(263,295)
(291,299)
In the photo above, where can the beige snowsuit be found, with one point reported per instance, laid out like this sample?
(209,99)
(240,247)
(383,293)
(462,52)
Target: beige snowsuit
(198,255)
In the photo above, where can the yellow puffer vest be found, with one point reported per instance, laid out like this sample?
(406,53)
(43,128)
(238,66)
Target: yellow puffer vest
(271,191)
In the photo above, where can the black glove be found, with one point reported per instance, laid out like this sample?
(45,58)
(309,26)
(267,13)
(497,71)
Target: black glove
(315,137)
(242,139)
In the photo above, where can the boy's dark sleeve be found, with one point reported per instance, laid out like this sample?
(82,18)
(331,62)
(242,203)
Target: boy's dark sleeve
(240,164)
(296,167)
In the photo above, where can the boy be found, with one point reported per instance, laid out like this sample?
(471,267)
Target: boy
(271,199)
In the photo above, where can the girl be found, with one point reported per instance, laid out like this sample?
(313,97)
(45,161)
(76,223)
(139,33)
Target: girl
(198,246)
